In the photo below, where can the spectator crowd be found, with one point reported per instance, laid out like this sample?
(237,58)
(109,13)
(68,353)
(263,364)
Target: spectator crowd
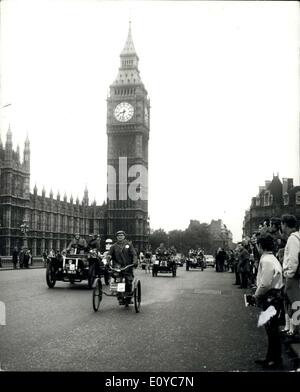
(268,264)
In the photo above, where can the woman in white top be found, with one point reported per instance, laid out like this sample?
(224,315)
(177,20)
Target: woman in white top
(269,292)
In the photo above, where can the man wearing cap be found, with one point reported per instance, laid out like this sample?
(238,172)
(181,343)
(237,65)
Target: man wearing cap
(123,253)
(95,242)
(78,244)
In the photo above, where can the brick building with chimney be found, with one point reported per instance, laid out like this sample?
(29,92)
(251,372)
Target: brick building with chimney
(274,199)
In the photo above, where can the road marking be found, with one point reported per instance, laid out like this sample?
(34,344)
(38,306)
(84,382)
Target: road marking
(206,291)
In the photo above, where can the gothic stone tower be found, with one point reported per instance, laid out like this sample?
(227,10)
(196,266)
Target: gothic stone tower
(14,193)
(128,109)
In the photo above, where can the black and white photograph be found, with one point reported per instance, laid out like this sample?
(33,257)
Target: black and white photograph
(149,188)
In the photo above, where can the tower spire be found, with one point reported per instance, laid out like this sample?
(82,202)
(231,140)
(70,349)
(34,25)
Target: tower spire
(129,60)
(129,48)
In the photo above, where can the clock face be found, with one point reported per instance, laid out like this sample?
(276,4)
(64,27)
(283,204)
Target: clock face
(123,112)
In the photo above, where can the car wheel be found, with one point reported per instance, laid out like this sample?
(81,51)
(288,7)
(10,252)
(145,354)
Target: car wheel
(50,275)
(137,297)
(97,294)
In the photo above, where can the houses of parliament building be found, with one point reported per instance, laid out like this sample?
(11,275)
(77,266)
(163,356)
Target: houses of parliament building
(52,220)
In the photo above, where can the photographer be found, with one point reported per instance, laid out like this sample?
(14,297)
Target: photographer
(269,293)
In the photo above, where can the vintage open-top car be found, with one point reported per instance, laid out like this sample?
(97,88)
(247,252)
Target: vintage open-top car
(76,268)
(164,263)
(195,261)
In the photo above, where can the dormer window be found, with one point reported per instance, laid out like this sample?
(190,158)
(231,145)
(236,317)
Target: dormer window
(286,199)
(257,202)
(297,195)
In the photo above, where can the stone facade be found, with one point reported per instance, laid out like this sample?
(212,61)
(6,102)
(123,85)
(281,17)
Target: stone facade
(221,235)
(51,221)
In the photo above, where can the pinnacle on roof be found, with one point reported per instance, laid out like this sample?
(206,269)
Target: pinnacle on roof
(9,130)
(9,136)
(129,46)
(27,142)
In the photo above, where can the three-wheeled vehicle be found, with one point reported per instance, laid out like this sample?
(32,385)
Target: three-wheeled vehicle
(117,289)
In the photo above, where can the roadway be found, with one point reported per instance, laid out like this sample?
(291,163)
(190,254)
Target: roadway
(196,321)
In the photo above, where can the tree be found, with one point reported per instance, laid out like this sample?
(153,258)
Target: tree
(157,237)
(197,235)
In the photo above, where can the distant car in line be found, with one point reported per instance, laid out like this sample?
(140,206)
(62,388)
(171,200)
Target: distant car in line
(210,260)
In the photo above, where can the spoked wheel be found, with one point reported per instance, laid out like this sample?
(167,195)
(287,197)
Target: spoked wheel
(137,297)
(91,275)
(50,275)
(97,294)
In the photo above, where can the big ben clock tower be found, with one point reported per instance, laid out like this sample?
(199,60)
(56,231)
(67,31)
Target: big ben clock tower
(128,109)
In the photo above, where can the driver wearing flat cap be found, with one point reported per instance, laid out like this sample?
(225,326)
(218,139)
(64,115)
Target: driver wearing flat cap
(122,253)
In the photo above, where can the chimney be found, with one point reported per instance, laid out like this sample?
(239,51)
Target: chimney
(261,188)
(290,183)
(284,185)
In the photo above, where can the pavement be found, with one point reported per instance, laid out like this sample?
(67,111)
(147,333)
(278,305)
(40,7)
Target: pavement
(195,321)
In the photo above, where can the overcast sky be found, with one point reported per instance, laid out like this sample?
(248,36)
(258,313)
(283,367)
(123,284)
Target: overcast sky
(222,77)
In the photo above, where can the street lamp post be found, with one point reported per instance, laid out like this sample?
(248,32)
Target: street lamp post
(24,229)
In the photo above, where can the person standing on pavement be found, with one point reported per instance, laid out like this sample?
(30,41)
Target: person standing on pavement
(15,257)
(21,258)
(122,253)
(290,267)
(26,259)
(269,293)
(220,260)
(275,230)
(236,263)
(244,265)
